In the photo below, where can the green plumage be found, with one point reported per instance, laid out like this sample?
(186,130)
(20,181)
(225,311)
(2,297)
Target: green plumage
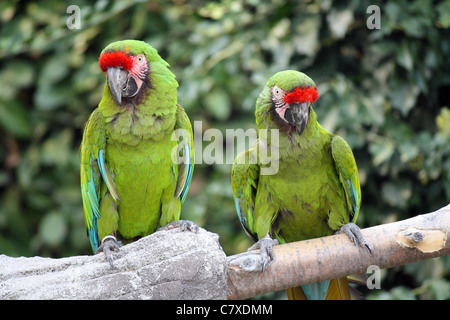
(137,192)
(316,189)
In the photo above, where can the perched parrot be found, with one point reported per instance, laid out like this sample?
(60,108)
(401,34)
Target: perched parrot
(315,191)
(137,151)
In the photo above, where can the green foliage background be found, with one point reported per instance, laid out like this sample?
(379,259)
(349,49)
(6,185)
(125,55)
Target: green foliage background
(385,91)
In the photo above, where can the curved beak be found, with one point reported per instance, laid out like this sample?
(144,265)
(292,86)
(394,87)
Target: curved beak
(117,81)
(297,115)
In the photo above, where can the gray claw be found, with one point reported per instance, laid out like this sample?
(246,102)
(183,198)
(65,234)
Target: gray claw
(182,224)
(354,233)
(109,245)
(265,245)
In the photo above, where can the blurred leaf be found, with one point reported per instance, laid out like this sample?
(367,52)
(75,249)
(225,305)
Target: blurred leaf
(443,121)
(443,10)
(404,57)
(402,293)
(53,229)
(397,195)
(54,70)
(15,75)
(381,150)
(49,97)
(15,118)
(440,289)
(408,151)
(18,73)
(403,96)
(218,104)
(306,36)
(56,149)
(339,22)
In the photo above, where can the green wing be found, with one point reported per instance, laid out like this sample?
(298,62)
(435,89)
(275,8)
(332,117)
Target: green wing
(345,165)
(93,172)
(185,155)
(244,181)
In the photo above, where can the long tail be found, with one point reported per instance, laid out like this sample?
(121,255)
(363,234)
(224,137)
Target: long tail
(335,289)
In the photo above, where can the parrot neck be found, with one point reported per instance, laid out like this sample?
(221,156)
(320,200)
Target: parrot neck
(153,119)
(311,130)
(291,144)
(309,137)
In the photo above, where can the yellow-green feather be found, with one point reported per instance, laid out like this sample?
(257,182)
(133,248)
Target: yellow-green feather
(137,192)
(316,189)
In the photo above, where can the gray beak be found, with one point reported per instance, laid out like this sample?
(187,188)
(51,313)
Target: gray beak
(297,115)
(117,81)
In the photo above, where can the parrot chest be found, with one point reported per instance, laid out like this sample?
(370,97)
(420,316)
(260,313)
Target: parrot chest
(132,128)
(142,175)
(304,192)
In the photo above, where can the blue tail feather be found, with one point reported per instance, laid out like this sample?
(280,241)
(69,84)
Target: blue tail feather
(316,291)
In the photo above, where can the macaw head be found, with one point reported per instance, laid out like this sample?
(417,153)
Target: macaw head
(290,95)
(127,65)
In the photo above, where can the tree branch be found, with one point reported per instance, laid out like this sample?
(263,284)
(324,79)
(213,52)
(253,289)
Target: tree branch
(164,265)
(419,238)
(184,265)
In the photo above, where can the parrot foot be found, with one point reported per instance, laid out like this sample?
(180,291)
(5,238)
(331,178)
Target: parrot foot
(182,224)
(265,245)
(108,246)
(354,233)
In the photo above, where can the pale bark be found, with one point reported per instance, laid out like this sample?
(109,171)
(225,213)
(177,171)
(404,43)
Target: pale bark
(393,244)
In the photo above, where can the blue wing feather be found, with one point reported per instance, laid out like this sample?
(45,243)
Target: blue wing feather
(106,176)
(190,169)
(91,203)
(354,199)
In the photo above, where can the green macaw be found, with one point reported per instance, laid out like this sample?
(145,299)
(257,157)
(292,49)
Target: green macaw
(315,191)
(137,152)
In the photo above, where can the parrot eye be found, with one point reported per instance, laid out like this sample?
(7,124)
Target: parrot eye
(277,93)
(140,58)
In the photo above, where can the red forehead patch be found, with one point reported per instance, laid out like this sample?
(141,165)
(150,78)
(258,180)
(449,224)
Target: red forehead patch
(302,95)
(115,59)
